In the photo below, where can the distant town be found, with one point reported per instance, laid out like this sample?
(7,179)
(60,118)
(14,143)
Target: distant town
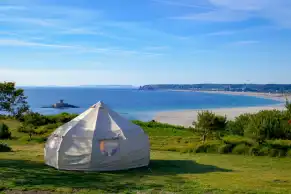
(265,88)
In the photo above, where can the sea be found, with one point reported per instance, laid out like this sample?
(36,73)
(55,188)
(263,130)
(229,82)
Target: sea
(133,103)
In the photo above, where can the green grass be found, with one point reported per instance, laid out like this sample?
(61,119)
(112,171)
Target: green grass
(173,172)
(24,169)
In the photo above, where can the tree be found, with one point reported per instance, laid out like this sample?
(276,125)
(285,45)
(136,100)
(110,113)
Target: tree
(208,123)
(33,118)
(12,100)
(4,131)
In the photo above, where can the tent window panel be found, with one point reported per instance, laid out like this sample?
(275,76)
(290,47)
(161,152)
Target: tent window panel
(109,147)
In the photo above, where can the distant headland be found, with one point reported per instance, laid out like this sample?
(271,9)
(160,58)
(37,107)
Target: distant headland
(264,88)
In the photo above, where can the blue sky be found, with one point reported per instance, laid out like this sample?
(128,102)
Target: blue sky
(70,42)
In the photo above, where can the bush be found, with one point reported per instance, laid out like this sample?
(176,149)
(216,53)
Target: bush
(46,129)
(237,127)
(279,144)
(277,153)
(208,123)
(235,140)
(225,148)
(264,151)
(26,129)
(254,151)
(288,106)
(5,148)
(207,148)
(60,118)
(4,131)
(241,149)
(33,139)
(288,153)
(267,125)
(34,119)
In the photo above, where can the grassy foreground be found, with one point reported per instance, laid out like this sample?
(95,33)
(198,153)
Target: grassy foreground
(23,170)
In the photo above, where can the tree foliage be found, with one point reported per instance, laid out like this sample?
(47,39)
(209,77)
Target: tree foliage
(238,125)
(4,131)
(288,107)
(268,125)
(12,100)
(208,123)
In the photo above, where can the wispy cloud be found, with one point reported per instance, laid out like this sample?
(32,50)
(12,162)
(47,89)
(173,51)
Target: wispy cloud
(31,21)
(156,48)
(244,42)
(277,12)
(46,15)
(215,16)
(82,31)
(7,33)
(182,4)
(21,43)
(77,48)
(221,33)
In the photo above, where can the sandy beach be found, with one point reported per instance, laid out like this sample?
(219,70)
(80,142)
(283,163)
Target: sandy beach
(186,117)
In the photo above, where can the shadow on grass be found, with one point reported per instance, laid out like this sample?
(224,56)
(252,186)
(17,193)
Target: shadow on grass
(28,174)
(182,167)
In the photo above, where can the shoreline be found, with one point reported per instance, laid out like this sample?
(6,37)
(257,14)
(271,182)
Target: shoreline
(186,117)
(271,96)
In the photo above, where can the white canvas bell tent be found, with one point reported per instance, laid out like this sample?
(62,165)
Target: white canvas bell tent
(99,139)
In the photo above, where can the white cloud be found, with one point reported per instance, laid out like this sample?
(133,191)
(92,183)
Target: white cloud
(156,48)
(181,4)
(276,11)
(77,48)
(21,43)
(30,21)
(215,16)
(245,42)
(11,7)
(221,33)
(247,5)
(82,31)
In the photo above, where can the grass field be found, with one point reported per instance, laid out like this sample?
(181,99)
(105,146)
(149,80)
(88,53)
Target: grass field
(23,170)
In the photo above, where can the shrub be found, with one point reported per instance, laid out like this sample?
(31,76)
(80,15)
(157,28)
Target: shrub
(266,125)
(207,148)
(235,140)
(225,148)
(241,149)
(288,153)
(46,128)
(4,131)
(40,130)
(33,139)
(288,106)
(277,153)
(26,129)
(5,148)
(254,151)
(60,118)
(34,119)
(279,144)
(208,123)
(237,127)
(264,151)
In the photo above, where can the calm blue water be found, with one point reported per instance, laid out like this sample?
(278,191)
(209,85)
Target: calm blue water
(133,103)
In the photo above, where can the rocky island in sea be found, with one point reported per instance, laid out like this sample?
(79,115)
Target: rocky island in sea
(60,105)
